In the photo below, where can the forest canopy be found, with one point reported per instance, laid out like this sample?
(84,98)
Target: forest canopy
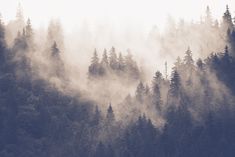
(111,108)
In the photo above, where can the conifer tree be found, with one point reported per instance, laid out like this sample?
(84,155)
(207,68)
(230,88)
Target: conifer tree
(94,68)
(227,20)
(140,92)
(29,30)
(175,84)
(121,64)
(110,115)
(104,61)
(113,59)
(188,59)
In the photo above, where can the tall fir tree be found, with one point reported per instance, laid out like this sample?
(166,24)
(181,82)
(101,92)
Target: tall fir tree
(113,59)
(121,64)
(175,84)
(140,92)
(227,20)
(110,117)
(94,68)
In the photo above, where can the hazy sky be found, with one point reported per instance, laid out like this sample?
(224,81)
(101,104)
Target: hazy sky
(143,12)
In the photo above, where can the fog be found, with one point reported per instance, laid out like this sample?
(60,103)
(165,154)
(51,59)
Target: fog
(152,48)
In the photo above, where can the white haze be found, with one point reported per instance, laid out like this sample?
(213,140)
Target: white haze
(124,24)
(102,24)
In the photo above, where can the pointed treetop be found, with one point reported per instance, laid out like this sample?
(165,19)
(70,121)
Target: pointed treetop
(105,58)
(95,58)
(110,109)
(110,115)
(188,59)
(157,78)
(226,49)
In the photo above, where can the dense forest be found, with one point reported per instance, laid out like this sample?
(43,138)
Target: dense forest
(189,113)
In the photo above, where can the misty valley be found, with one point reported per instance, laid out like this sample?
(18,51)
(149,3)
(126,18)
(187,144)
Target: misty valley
(96,97)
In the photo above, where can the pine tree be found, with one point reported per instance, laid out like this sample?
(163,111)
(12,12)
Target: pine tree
(189,67)
(97,116)
(110,115)
(104,61)
(29,30)
(175,85)
(200,64)
(188,59)
(140,92)
(157,101)
(226,60)
(178,64)
(94,68)
(57,63)
(121,64)
(157,79)
(131,67)
(113,59)
(227,20)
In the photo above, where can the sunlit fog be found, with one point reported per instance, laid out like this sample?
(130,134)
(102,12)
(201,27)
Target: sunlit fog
(117,78)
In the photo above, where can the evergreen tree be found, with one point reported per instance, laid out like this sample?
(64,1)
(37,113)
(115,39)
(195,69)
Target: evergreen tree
(57,63)
(175,85)
(104,61)
(97,116)
(110,115)
(178,64)
(188,59)
(29,31)
(113,59)
(94,68)
(189,67)
(131,67)
(140,92)
(121,64)
(227,20)
(157,101)
(200,64)
(157,79)
(104,65)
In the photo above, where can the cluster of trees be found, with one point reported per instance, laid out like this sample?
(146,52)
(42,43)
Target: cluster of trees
(195,107)
(204,36)
(122,66)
